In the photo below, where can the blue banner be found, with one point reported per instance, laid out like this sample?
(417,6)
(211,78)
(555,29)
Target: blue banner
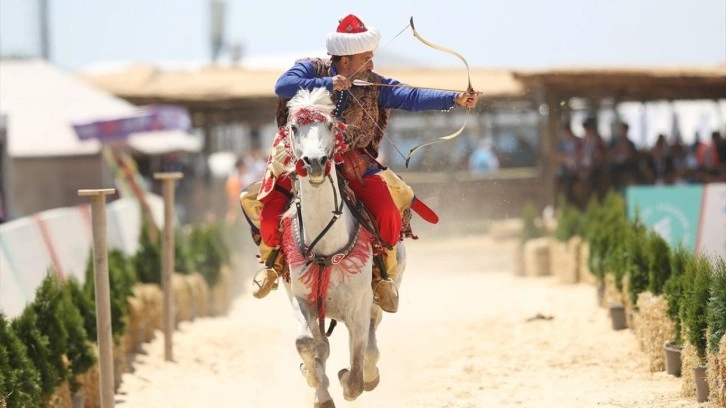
(149,119)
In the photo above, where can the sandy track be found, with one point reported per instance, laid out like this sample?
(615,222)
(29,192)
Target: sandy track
(460,339)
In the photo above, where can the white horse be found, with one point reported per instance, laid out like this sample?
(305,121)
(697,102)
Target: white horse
(329,254)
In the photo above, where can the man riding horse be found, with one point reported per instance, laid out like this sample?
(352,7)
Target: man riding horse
(365,110)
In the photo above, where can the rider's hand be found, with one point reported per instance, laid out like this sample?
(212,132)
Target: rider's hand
(341,83)
(467,99)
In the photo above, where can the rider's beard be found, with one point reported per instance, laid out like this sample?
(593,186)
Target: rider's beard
(362,75)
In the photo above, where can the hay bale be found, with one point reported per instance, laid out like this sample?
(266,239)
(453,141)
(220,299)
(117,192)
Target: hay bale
(182,299)
(61,398)
(120,364)
(537,257)
(653,328)
(689,360)
(716,373)
(557,257)
(506,229)
(629,307)
(151,309)
(518,261)
(585,274)
(199,291)
(134,335)
(570,253)
(90,387)
(219,299)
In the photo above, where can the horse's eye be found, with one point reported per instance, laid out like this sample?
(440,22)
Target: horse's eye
(293,128)
(330,126)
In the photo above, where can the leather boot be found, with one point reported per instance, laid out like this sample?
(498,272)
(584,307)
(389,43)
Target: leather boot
(266,278)
(385,292)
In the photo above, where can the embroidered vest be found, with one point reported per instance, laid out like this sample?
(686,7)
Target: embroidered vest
(361,107)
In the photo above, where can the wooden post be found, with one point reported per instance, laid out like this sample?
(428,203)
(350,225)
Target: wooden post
(167,257)
(553,130)
(103,298)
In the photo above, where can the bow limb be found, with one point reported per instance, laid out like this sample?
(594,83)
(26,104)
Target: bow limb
(444,49)
(469,89)
(439,140)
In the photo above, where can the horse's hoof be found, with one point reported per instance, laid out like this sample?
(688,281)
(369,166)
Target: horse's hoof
(326,404)
(350,391)
(371,385)
(311,379)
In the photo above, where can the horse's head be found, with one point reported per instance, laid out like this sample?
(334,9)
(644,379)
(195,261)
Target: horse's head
(315,136)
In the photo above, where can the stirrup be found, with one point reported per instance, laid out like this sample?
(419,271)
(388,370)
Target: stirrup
(265,283)
(390,304)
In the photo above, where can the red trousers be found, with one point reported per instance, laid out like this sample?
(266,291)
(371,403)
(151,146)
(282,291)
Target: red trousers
(374,195)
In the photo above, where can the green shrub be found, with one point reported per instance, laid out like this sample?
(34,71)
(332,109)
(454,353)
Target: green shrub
(121,284)
(20,384)
(716,314)
(84,301)
(530,229)
(81,356)
(638,260)
(606,227)
(182,254)
(147,260)
(673,289)
(570,223)
(38,348)
(695,299)
(48,311)
(658,263)
(208,251)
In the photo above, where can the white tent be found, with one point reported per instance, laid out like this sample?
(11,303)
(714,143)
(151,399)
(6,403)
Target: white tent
(41,102)
(45,162)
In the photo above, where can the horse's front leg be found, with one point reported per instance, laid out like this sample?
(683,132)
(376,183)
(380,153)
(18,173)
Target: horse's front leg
(314,350)
(352,380)
(371,376)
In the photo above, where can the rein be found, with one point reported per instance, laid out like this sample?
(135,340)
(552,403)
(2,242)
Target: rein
(323,261)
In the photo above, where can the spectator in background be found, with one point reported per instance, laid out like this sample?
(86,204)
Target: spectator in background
(592,158)
(622,158)
(660,163)
(569,149)
(255,162)
(483,159)
(233,187)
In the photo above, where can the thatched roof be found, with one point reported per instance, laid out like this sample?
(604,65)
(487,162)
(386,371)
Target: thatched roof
(640,84)
(249,93)
(225,84)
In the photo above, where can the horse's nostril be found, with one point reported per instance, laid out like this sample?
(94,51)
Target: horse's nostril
(323,160)
(306,159)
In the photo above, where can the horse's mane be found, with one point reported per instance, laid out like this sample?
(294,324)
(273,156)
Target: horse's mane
(318,99)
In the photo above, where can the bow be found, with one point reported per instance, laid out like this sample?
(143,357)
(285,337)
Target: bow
(469,89)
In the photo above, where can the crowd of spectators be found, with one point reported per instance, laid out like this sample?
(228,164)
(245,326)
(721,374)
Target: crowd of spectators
(588,165)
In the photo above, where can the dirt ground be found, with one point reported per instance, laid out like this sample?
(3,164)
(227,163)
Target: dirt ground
(462,338)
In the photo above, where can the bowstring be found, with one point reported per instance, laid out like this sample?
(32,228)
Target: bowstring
(375,123)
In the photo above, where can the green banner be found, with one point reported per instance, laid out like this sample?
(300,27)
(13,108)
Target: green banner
(672,211)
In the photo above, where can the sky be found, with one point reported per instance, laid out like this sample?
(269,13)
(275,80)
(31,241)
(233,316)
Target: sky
(497,34)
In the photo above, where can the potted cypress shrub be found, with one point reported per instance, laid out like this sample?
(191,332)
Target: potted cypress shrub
(147,259)
(19,379)
(37,344)
(638,262)
(48,310)
(693,314)
(80,353)
(716,321)
(673,289)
